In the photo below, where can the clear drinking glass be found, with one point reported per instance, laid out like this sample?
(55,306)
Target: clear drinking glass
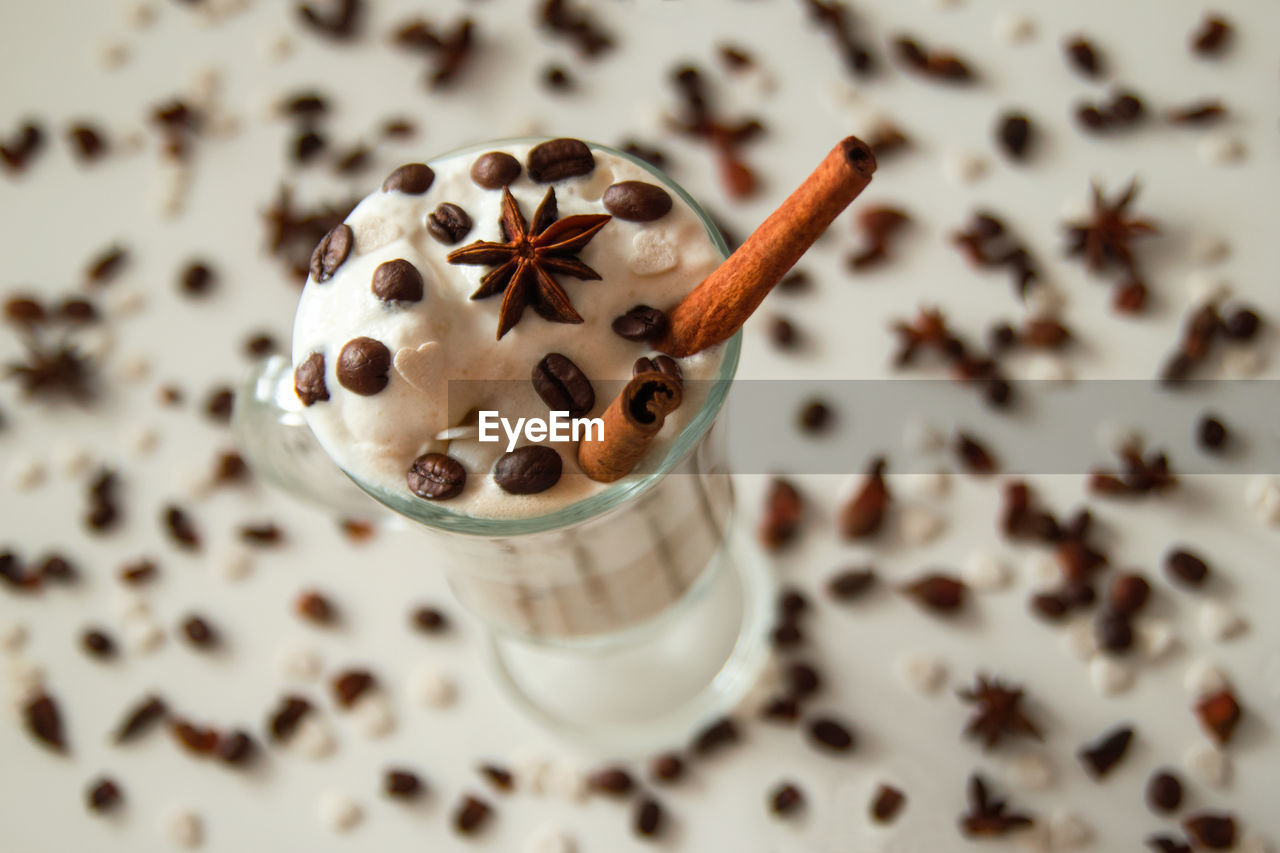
(625,618)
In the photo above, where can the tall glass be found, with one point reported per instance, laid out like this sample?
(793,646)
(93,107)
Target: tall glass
(623,618)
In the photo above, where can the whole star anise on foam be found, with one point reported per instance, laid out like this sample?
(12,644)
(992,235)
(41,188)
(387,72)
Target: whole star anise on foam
(523,264)
(1105,238)
(988,817)
(997,712)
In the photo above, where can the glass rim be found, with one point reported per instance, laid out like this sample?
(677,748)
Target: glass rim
(439,517)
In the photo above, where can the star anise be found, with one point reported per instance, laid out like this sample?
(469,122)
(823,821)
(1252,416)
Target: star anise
(997,712)
(522,265)
(1104,238)
(987,817)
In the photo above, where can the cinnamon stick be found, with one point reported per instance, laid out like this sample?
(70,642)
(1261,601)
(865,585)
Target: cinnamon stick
(714,310)
(630,423)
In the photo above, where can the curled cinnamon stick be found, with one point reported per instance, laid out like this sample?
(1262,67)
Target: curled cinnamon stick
(714,310)
(632,420)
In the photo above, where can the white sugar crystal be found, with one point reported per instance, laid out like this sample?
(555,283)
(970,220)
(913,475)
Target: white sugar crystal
(278,48)
(184,829)
(375,232)
(1044,301)
(144,635)
(984,570)
(1069,831)
(1049,368)
(114,54)
(1031,770)
(433,687)
(96,343)
(1080,639)
(1203,677)
(131,606)
(918,525)
(13,636)
(140,15)
(206,86)
(549,838)
(1219,620)
(530,768)
(1043,569)
(125,302)
(1204,287)
(301,663)
(922,437)
(134,368)
(963,167)
(567,781)
(173,181)
(934,484)
(1244,362)
(338,812)
(922,672)
(143,440)
(1221,149)
(1034,838)
(652,254)
(1207,764)
(24,677)
(1155,637)
(373,714)
(1205,248)
(27,473)
(313,738)
(1109,676)
(234,563)
(1256,492)
(1010,27)
(72,460)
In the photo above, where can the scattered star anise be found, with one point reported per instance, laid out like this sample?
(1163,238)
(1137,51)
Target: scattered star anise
(293,231)
(700,120)
(997,712)
(987,817)
(1105,240)
(522,265)
(449,51)
(54,371)
(930,331)
(1137,476)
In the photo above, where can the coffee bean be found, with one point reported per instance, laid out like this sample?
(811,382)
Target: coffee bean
(1242,325)
(528,470)
(142,719)
(196,279)
(786,799)
(1128,593)
(1211,433)
(887,803)
(98,644)
(1103,754)
(436,477)
(316,607)
(495,170)
(1164,792)
(1186,567)
(350,685)
(1078,594)
(1014,134)
(200,632)
(831,735)
(308,380)
(1084,57)
(448,223)
(236,748)
(363,365)
(285,719)
(471,815)
(661,364)
(851,584)
(1209,831)
(413,178)
(667,767)
(332,250)
(715,736)
(308,145)
(648,820)
(563,386)
(430,620)
(1126,107)
(611,780)
(641,323)
(637,201)
(401,784)
(1049,606)
(1211,37)
(558,159)
(792,603)
(397,281)
(801,680)
(1114,632)
(104,795)
(815,417)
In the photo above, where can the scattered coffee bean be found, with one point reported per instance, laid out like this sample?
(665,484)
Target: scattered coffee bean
(104,268)
(801,680)
(1015,135)
(436,477)
(851,584)
(792,603)
(783,709)
(1186,567)
(973,454)
(1128,593)
(349,685)
(1242,325)
(495,170)
(715,736)
(557,78)
(331,251)
(260,345)
(937,592)
(1114,632)
(1084,57)
(220,404)
(1167,844)
(284,721)
(412,178)
(783,511)
(104,795)
(87,142)
(181,528)
(1219,713)
(648,818)
(1101,756)
(615,781)
(1211,433)
(787,635)
(641,323)
(1197,113)
(308,145)
(863,514)
(200,633)
(397,281)
(308,380)
(563,386)
(471,814)
(815,417)
(1164,792)
(236,748)
(528,470)
(1211,37)
(143,718)
(667,767)
(199,740)
(830,735)
(499,777)
(402,784)
(44,721)
(1050,606)
(196,279)
(448,223)
(98,644)
(637,201)
(363,365)
(887,803)
(660,363)
(1211,830)
(558,159)
(786,799)
(429,620)
(316,607)
(58,569)
(783,333)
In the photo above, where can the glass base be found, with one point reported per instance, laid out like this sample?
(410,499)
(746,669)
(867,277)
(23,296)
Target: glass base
(654,686)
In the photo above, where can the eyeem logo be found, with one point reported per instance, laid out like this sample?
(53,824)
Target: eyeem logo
(560,427)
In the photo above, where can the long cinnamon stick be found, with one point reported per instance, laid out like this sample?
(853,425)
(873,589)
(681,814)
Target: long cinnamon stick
(714,310)
(630,423)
